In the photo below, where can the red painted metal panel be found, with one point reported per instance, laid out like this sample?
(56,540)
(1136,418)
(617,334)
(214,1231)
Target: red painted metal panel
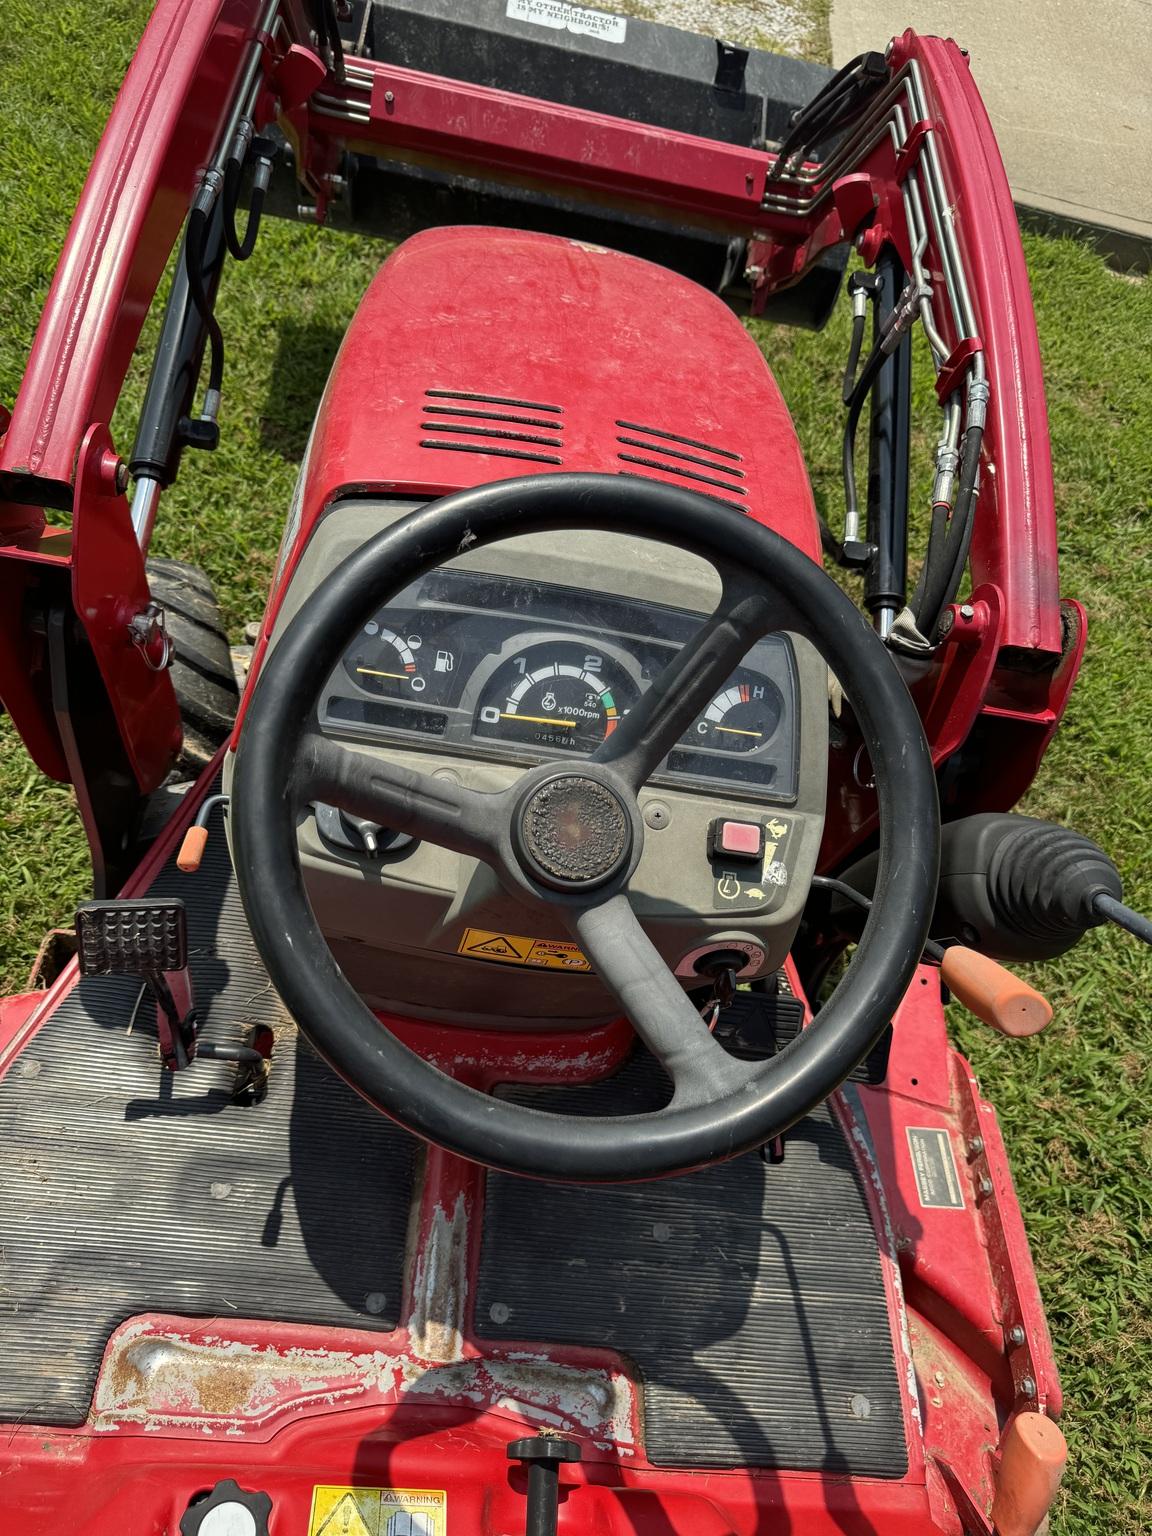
(1014,540)
(967,1272)
(658,169)
(168,115)
(600,338)
(109,588)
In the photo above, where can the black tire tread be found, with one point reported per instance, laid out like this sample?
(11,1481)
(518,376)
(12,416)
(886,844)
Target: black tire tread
(202,673)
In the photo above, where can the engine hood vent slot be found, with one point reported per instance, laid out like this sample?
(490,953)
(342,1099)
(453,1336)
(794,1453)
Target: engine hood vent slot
(516,432)
(690,459)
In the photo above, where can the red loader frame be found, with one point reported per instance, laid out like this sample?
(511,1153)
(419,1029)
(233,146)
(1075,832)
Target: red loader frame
(917,174)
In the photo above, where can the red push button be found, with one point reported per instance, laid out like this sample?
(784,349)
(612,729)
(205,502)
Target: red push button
(737,839)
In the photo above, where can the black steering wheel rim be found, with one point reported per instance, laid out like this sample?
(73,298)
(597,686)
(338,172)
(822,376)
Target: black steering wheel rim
(384,1070)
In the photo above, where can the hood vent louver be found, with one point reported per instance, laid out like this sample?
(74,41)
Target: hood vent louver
(685,458)
(516,431)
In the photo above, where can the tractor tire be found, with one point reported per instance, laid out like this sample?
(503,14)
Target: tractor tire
(201,670)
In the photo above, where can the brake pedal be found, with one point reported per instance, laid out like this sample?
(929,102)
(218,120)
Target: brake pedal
(148,939)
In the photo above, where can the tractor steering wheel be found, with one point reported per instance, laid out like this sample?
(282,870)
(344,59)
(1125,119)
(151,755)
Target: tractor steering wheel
(570,835)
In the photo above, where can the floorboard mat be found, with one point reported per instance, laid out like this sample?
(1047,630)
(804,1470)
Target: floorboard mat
(126,1189)
(749,1297)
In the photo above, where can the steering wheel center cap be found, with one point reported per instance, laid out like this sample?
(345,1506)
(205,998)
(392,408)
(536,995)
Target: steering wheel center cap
(573,832)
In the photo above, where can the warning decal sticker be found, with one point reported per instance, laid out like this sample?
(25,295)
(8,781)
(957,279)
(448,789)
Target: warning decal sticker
(378,1512)
(934,1165)
(515,949)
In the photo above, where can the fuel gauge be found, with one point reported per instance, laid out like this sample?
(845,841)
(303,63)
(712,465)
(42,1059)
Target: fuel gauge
(382,662)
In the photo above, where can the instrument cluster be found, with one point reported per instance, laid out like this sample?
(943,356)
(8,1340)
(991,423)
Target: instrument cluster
(525,671)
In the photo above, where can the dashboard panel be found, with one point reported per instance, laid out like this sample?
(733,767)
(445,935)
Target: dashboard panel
(523,671)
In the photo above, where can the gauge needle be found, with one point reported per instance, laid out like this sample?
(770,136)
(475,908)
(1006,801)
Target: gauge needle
(567,725)
(372,672)
(736,731)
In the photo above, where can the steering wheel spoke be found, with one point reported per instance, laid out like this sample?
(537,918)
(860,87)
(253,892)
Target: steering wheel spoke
(437,810)
(650,730)
(662,1014)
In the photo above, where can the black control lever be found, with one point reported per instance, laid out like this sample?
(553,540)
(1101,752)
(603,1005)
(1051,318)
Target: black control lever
(543,1455)
(1116,912)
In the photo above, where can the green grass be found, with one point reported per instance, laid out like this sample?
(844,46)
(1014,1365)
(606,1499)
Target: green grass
(1074,1102)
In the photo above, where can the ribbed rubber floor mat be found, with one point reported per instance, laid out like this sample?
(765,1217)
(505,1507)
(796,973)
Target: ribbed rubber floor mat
(126,1189)
(749,1297)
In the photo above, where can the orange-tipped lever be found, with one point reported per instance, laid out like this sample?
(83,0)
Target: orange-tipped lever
(993,993)
(192,849)
(196,837)
(1032,1457)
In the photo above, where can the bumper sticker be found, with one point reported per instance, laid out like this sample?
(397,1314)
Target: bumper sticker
(561,16)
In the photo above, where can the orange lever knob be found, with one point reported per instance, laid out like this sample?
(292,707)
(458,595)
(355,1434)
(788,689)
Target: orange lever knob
(192,849)
(1032,1457)
(993,993)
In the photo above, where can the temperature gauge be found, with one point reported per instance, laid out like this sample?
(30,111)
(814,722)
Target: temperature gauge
(742,718)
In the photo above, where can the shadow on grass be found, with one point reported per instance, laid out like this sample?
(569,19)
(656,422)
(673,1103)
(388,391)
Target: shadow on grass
(300,369)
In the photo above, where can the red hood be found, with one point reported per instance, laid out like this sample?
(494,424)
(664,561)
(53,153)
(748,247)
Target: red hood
(613,364)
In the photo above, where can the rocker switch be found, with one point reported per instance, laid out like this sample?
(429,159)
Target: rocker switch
(735,839)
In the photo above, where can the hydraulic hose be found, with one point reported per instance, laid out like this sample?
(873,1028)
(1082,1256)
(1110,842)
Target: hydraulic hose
(198,220)
(859,319)
(244,147)
(839,100)
(895,327)
(943,574)
(856,401)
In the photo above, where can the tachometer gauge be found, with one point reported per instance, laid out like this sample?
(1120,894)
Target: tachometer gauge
(384,663)
(557,694)
(742,718)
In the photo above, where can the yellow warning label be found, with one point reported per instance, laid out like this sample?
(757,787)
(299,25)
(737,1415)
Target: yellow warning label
(378,1512)
(516,949)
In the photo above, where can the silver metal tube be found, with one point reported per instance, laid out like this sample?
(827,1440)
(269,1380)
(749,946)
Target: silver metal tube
(145,499)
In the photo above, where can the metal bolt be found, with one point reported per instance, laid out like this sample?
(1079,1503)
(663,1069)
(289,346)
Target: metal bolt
(976,1145)
(389,98)
(657,815)
(1027,1387)
(753,274)
(113,473)
(967,612)
(986,1187)
(1016,1336)
(305,210)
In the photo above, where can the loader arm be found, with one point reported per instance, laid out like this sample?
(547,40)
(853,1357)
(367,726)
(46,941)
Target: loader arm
(904,166)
